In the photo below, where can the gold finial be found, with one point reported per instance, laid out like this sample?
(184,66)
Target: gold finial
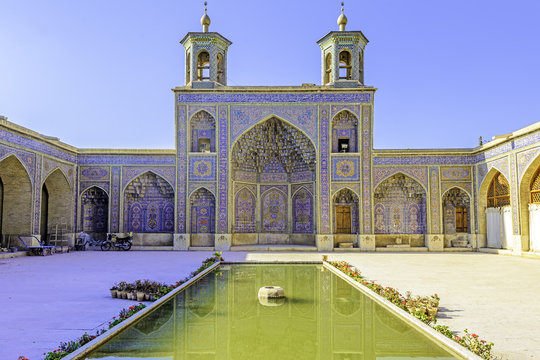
(205,20)
(342,19)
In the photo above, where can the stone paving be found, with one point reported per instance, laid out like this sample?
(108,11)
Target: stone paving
(46,300)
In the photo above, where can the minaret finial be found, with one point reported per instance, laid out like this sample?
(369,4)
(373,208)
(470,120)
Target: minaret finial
(342,19)
(205,20)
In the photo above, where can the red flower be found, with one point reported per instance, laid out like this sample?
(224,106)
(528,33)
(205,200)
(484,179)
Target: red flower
(474,335)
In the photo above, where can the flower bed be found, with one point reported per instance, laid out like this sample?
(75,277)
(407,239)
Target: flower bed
(424,308)
(153,290)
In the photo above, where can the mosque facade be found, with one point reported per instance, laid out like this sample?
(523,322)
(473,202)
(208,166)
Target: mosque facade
(275,168)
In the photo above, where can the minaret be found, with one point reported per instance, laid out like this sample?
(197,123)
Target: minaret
(343,56)
(206,56)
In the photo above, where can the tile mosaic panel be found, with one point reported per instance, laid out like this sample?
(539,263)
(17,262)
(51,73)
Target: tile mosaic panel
(447,185)
(85,185)
(202,168)
(274,211)
(115,198)
(126,159)
(50,165)
(193,109)
(435,203)
(514,191)
(345,168)
(302,203)
(223,225)
(8,136)
(423,160)
(37,194)
(366,168)
(302,176)
(455,173)
(355,109)
(301,98)
(26,158)
(282,188)
(94,173)
(131,172)
(245,176)
(181,170)
(525,158)
(273,178)
(245,212)
(203,212)
(304,117)
(324,170)
(206,185)
(418,173)
(336,187)
(501,165)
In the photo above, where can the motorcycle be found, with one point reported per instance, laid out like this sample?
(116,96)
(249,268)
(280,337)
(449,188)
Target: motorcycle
(123,243)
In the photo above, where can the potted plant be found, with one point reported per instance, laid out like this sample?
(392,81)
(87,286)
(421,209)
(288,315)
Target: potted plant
(114,291)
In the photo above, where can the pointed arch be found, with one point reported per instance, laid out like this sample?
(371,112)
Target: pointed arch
(94,214)
(457,187)
(148,204)
(57,209)
(245,204)
(400,204)
(456,211)
(144,172)
(269,117)
(346,211)
(328,68)
(203,65)
(530,232)
(493,237)
(345,65)
(23,164)
(203,132)
(388,176)
(345,132)
(15,198)
(302,208)
(204,188)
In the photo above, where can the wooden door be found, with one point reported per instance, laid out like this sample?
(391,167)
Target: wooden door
(343,219)
(462,225)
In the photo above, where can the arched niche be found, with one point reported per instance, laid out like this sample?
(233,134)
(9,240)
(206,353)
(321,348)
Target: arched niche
(203,218)
(274,211)
(203,132)
(95,212)
(148,205)
(302,203)
(529,193)
(188,67)
(345,132)
(245,205)
(456,211)
(15,201)
(495,215)
(400,206)
(346,212)
(221,69)
(57,205)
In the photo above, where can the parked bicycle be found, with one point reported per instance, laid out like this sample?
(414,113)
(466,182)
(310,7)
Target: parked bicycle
(121,242)
(84,239)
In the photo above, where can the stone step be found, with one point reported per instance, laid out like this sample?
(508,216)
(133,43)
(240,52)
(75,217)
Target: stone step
(401,249)
(269,247)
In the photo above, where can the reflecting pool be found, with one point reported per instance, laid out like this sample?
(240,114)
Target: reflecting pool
(220,317)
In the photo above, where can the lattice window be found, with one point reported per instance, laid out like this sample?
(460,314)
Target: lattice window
(535,188)
(498,192)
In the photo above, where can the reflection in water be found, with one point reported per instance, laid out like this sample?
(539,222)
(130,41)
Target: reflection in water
(220,318)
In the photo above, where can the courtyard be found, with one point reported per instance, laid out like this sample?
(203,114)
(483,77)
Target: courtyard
(46,300)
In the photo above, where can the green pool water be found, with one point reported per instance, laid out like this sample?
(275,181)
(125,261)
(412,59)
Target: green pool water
(220,317)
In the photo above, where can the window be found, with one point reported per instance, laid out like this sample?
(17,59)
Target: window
(204,145)
(343,145)
(220,69)
(345,65)
(535,188)
(328,69)
(498,192)
(203,66)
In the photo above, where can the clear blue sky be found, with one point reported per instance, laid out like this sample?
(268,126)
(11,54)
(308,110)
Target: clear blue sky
(98,73)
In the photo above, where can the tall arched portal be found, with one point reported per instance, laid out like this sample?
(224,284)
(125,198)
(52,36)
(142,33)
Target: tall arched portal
(273,169)
(15,201)
(56,207)
(400,211)
(498,213)
(149,205)
(95,212)
(203,218)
